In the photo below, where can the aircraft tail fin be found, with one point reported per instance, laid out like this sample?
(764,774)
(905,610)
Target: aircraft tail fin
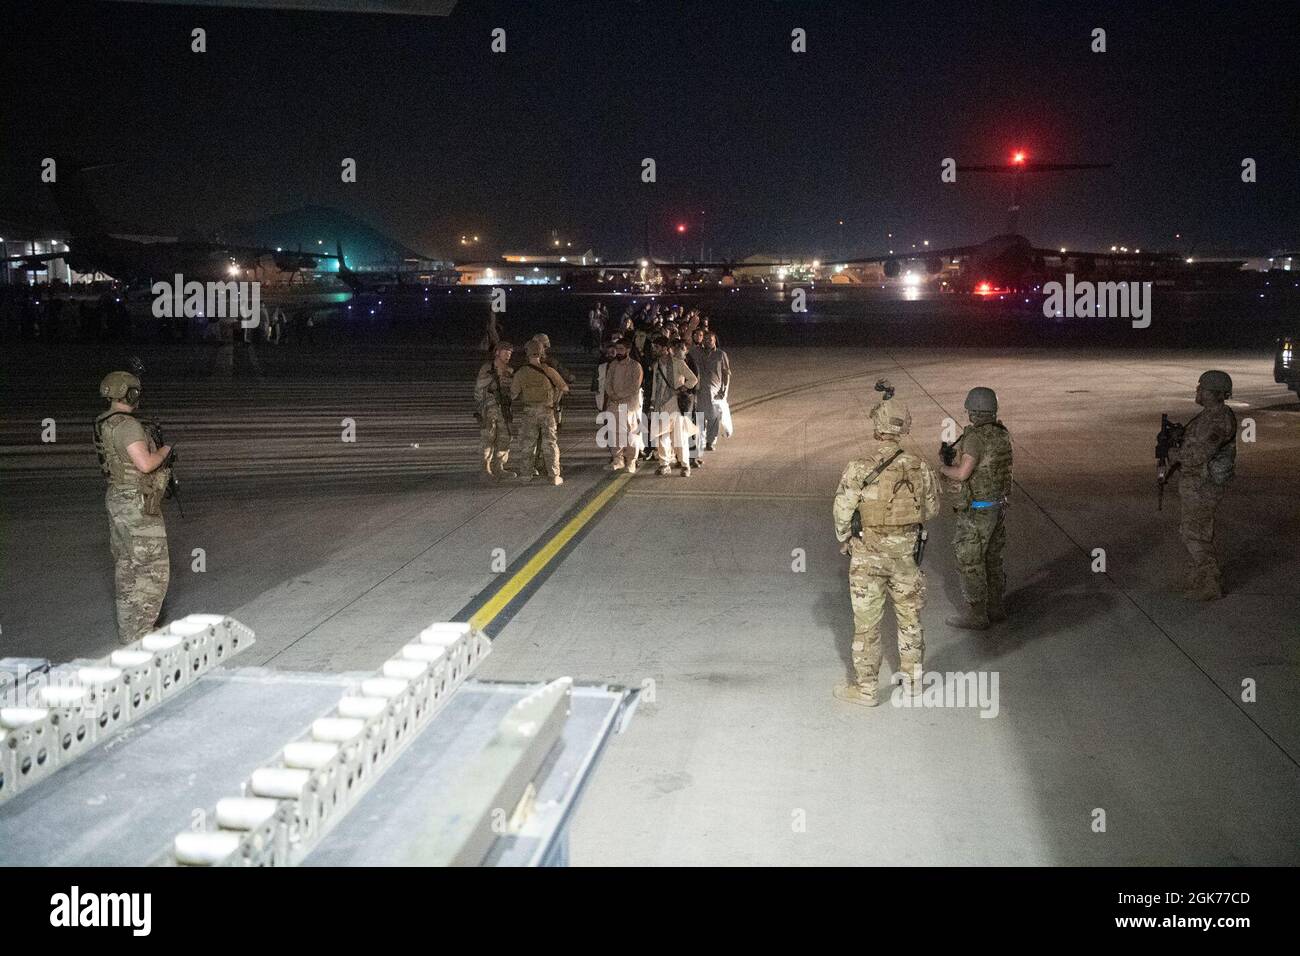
(346,275)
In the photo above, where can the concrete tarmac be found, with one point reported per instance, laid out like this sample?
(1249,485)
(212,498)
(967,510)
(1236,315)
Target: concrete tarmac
(1131,726)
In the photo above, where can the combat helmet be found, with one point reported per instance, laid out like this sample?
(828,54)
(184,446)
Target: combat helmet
(1216,381)
(981,399)
(120,387)
(891,417)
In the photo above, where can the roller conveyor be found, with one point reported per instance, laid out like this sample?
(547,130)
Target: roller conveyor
(166,778)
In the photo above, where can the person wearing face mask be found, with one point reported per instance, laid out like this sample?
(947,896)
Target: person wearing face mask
(622,398)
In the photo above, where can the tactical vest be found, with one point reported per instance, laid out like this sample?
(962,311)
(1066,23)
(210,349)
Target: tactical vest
(897,495)
(1222,465)
(991,479)
(535,387)
(118,469)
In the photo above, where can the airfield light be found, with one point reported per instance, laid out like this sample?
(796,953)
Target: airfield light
(320,242)
(1189,262)
(234,269)
(681,227)
(925,242)
(1062,248)
(644,263)
(984,288)
(476,238)
(1112,249)
(1018,158)
(817,264)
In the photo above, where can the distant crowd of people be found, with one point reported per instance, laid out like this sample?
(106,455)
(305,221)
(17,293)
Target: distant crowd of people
(661,385)
(37,313)
(662,388)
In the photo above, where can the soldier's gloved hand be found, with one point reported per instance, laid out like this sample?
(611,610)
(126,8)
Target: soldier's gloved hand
(844,547)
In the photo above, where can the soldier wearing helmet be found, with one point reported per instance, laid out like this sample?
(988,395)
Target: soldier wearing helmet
(893,492)
(538,388)
(536,463)
(137,475)
(1206,461)
(981,469)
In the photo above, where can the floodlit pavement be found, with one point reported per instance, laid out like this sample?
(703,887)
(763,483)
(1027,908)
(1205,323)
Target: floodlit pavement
(1119,706)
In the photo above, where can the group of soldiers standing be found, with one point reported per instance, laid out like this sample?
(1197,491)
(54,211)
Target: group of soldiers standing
(536,389)
(880,509)
(884,500)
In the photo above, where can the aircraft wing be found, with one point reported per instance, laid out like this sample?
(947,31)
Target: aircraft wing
(36,257)
(1111,256)
(900,257)
(1028,167)
(259,252)
(703,264)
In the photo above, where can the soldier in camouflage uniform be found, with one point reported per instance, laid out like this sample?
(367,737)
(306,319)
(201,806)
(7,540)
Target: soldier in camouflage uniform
(893,502)
(492,408)
(1206,460)
(538,388)
(982,471)
(137,474)
(551,362)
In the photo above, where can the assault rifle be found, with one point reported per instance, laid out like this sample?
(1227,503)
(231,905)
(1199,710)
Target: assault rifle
(1170,436)
(153,428)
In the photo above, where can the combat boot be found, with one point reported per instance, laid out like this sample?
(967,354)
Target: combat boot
(909,684)
(1206,589)
(855,694)
(974,618)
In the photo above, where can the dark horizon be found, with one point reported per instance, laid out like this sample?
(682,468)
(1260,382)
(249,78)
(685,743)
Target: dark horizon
(758,149)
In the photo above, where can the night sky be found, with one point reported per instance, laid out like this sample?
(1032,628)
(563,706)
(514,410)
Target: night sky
(773,147)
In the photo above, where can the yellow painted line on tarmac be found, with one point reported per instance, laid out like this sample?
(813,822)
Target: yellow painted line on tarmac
(547,553)
(738,495)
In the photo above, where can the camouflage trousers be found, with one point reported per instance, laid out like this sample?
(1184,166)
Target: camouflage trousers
(537,432)
(880,565)
(141,563)
(978,542)
(1199,498)
(495,436)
